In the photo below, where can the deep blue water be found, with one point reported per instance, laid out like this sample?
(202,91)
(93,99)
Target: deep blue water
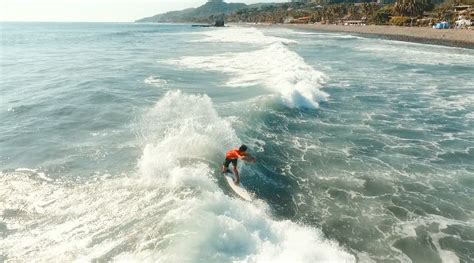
(112,136)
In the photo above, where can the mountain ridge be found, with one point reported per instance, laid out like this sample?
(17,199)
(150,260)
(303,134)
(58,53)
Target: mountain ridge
(199,14)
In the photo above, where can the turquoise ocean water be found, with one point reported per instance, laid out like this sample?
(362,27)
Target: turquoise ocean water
(112,136)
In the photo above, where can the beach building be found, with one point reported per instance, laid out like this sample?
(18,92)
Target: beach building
(466,11)
(465,16)
(460,8)
(349,20)
(299,20)
(354,23)
(302,20)
(463,23)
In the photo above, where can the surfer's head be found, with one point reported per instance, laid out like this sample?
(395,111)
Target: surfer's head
(243,148)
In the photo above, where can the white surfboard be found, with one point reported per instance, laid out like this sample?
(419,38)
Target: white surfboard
(238,189)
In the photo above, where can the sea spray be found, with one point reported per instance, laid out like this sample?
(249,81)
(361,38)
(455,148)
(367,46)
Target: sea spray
(183,128)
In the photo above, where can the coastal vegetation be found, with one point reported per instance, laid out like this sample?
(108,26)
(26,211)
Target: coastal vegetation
(399,12)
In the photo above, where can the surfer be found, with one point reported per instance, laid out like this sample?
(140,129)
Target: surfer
(233,156)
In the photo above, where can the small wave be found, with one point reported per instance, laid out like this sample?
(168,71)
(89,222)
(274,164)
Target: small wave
(415,53)
(155,81)
(327,35)
(34,173)
(241,35)
(276,67)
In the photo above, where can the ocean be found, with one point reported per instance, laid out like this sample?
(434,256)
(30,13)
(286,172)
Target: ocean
(113,135)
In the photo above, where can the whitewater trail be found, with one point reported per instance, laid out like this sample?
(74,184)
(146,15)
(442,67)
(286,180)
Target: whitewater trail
(171,210)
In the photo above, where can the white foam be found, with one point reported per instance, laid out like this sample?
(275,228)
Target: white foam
(414,53)
(458,102)
(327,35)
(241,35)
(276,67)
(26,170)
(155,81)
(173,211)
(470,115)
(183,126)
(408,229)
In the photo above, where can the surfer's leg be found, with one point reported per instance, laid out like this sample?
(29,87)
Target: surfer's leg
(237,176)
(236,172)
(225,166)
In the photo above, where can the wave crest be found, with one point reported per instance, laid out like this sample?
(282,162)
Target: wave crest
(240,35)
(275,67)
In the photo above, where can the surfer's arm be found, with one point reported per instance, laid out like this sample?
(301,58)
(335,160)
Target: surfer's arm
(248,158)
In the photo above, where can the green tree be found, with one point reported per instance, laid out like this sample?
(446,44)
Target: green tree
(382,16)
(411,8)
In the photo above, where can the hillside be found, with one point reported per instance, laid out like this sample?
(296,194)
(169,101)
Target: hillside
(202,13)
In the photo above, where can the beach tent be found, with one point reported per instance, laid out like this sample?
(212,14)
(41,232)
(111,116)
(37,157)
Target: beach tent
(441,25)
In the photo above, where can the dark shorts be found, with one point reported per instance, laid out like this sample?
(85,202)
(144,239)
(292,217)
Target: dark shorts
(227,162)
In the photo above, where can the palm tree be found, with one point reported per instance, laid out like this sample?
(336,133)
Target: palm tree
(410,8)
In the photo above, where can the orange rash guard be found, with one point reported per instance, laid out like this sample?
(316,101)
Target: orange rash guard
(234,154)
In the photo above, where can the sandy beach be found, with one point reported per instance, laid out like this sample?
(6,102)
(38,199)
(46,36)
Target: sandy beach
(448,37)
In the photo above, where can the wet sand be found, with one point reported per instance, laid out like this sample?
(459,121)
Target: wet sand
(448,37)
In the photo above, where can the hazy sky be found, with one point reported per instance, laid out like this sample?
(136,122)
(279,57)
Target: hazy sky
(94,10)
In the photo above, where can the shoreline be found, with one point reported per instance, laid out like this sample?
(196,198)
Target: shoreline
(446,37)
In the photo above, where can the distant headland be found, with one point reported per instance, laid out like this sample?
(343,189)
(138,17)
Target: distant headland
(204,13)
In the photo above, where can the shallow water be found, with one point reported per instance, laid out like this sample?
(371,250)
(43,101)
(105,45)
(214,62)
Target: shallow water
(112,136)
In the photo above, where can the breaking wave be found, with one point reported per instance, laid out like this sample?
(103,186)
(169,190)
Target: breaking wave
(277,68)
(171,210)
